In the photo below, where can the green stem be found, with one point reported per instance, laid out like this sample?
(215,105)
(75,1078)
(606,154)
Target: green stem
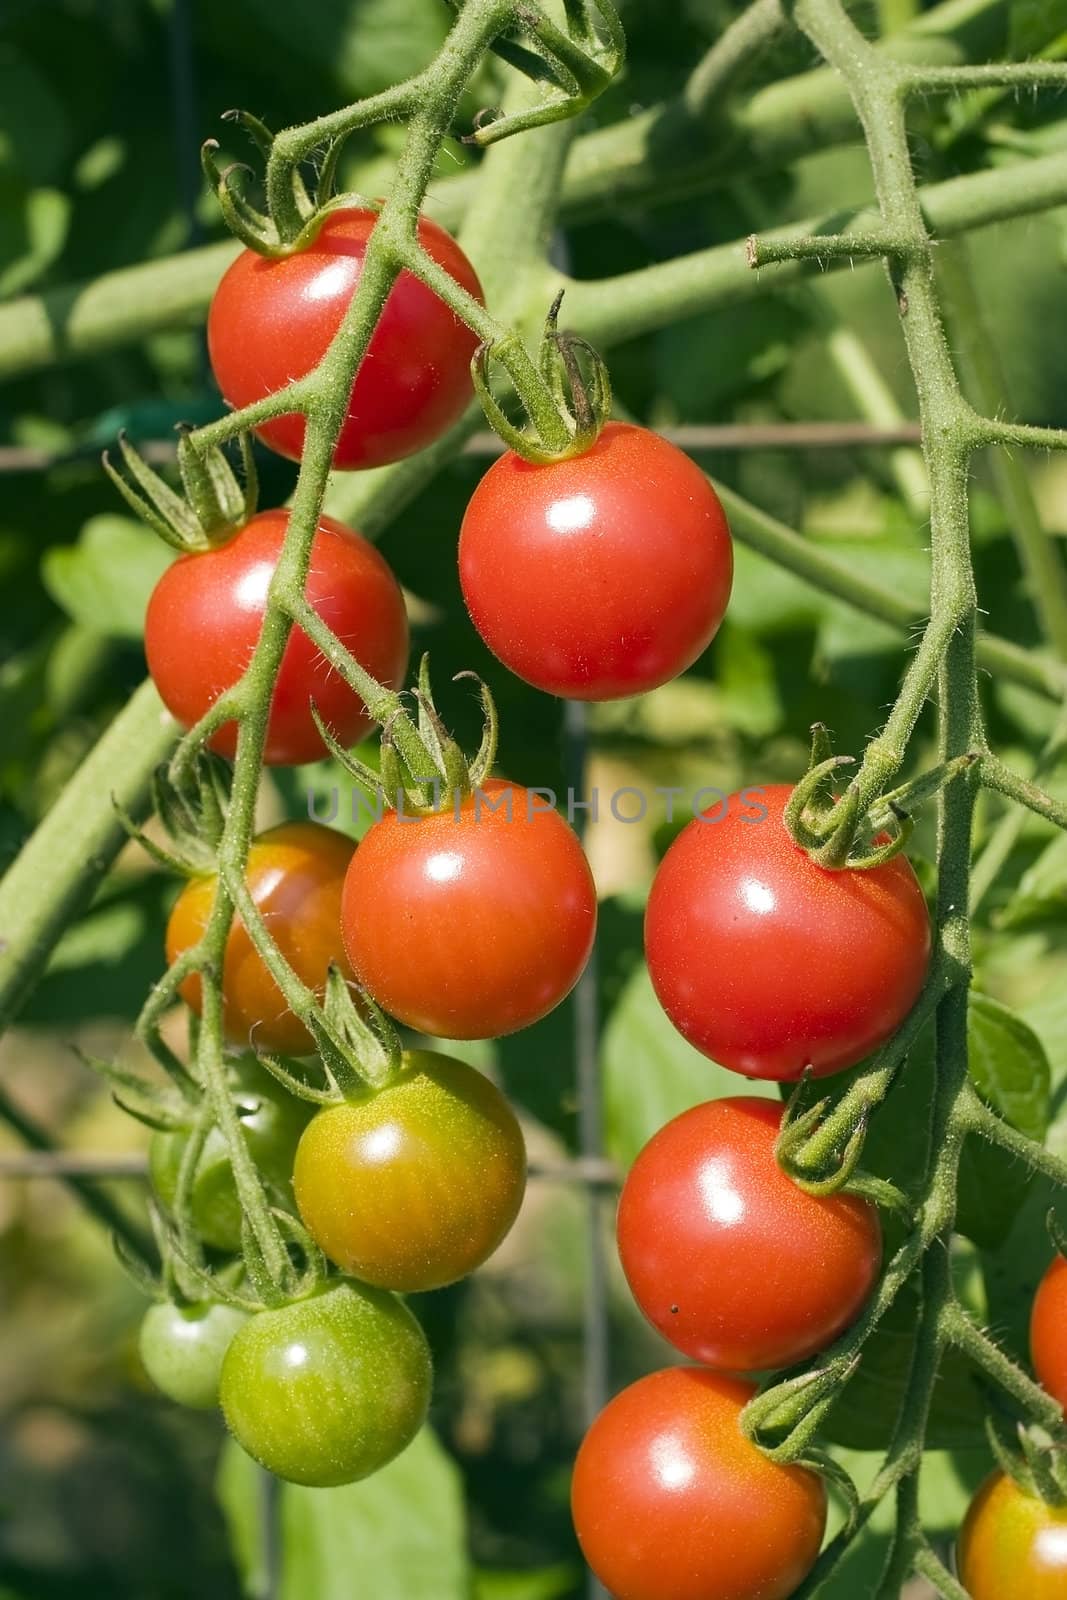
(981,1119)
(1042,563)
(958,1329)
(53,878)
(997,775)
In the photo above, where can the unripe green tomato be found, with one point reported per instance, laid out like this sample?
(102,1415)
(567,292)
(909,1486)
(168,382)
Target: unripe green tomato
(272,1121)
(326,1390)
(414,1185)
(182,1348)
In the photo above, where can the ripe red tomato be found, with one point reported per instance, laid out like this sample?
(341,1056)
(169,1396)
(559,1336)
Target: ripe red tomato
(727,1257)
(206,613)
(1013,1546)
(1048,1331)
(473,921)
(672,1502)
(327,1390)
(768,963)
(599,576)
(272,320)
(296,874)
(414,1185)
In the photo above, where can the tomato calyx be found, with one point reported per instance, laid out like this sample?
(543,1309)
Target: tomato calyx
(849,831)
(423,768)
(286,229)
(1029,1455)
(569,406)
(215,502)
(577,62)
(824,1167)
(359,1047)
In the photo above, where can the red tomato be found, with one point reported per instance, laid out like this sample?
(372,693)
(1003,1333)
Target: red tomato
(672,1502)
(1048,1331)
(295,873)
(1013,1546)
(728,1258)
(204,621)
(473,921)
(413,1185)
(272,320)
(768,963)
(599,576)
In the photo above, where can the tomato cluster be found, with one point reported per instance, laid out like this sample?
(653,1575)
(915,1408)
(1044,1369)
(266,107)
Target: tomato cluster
(601,574)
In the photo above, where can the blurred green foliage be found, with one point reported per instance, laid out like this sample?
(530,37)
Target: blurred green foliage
(104,1489)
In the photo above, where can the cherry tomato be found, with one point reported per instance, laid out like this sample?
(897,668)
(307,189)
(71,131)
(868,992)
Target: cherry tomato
(672,1502)
(273,320)
(296,875)
(768,963)
(327,1390)
(206,612)
(1048,1331)
(1013,1546)
(727,1257)
(272,1121)
(473,921)
(416,1184)
(599,576)
(182,1349)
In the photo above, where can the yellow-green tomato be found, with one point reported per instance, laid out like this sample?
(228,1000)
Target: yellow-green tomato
(1013,1546)
(182,1349)
(326,1390)
(414,1185)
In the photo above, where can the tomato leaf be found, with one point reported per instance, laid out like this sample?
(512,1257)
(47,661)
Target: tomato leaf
(651,1074)
(1042,890)
(1011,1072)
(406,1525)
(104,580)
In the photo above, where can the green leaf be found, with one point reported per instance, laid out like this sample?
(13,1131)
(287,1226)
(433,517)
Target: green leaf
(744,673)
(1008,1065)
(542,1583)
(1033,25)
(651,1074)
(405,1526)
(104,580)
(1042,890)
(1011,1072)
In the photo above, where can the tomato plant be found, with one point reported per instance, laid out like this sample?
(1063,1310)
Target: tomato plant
(206,613)
(272,320)
(1013,1546)
(295,875)
(416,1184)
(1048,1331)
(769,963)
(472,921)
(182,1348)
(727,1257)
(327,1389)
(672,1502)
(271,1124)
(601,575)
(891,587)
